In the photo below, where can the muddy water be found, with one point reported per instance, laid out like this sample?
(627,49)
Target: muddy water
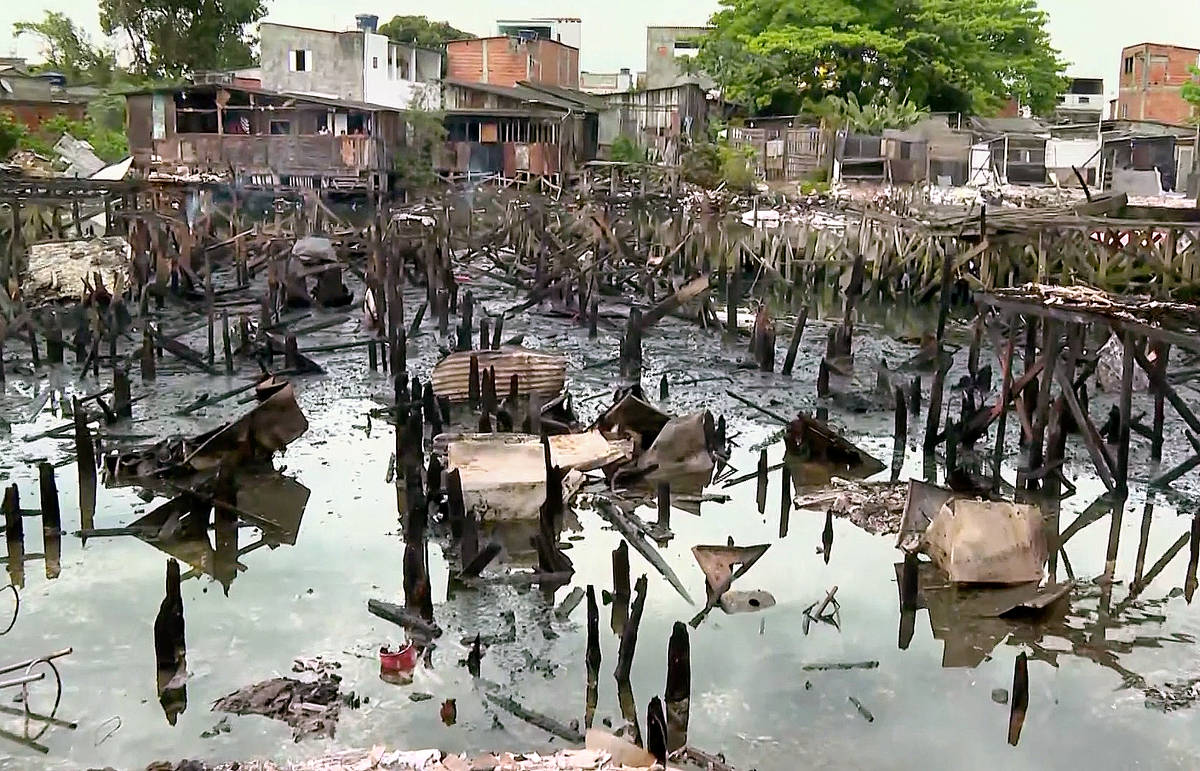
(751,696)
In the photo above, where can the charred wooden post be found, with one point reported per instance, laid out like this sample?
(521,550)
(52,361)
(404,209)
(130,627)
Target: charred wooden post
(485,334)
(1162,352)
(85,455)
(656,731)
(678,691)
(594,318)
(473,385)
(822,379)
(51,513)
(122,399)
(900,429)
(934,417)
(291,355)
(54,339)
(497,333)
(620,595)
(1121,472)
(372,357)
(466,324)
(455,506)
(664,506)
(490,402)
(827,536)
(631,348)
(443,313)
(14,528)
(664,389)
(226,344)
(630,633)
(35,354)
(733,294)
(789,361)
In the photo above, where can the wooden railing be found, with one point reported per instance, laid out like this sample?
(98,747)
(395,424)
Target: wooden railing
(282,154)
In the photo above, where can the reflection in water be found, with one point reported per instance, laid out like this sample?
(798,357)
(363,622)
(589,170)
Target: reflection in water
(592,656)
(16,562)
(170,648)
(1020,698)
(629,710)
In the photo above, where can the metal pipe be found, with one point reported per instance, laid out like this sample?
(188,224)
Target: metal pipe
(23,680)
(30,662)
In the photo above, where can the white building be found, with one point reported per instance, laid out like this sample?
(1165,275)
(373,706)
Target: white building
(568,31)
(357,65)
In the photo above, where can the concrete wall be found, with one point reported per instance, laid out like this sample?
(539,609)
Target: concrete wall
(502,61)
(1151,78)
(335,67)
(662,50)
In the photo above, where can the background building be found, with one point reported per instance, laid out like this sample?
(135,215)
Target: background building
(1152,75)
(507,61)
(1082,102)
(358,65)
(568,31)
(607,82)
(664,47)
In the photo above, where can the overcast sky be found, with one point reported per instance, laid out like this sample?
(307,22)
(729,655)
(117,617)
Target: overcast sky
(1090,33)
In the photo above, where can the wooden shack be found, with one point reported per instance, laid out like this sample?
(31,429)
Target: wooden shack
(263,137)
(516,132)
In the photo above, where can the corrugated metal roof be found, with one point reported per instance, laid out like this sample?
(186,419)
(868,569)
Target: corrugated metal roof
(213,87)
(562,98)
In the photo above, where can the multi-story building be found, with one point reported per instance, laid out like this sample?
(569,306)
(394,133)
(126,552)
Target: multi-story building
(1082,102)
(507,61)
(665,46)
(358,65)
(1152,77)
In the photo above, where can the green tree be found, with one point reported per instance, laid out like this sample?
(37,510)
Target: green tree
(775,56)
(415,161)
(69,50)
(420,31)
(171,37)
(1191,92)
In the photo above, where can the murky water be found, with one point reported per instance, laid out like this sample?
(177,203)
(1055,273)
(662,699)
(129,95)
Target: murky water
(752,698)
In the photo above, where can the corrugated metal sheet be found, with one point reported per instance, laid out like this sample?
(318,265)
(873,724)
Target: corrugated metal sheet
(537,372)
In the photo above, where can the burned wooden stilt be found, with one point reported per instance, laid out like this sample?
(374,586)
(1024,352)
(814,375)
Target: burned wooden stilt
(456,510)
(678,693)
(490,403)
(656,731)
(51,513)
(594,318)
(934,417)
(763,468)
(473,384)
(620,594)
(226,344)
(592,656)
(914,397)
(664,391)
(630,633)
(764,340)
(899,431)
(122,399)
(822,379)
(789,360)
(664,506)
(14,528)
(485,334)
(85,457)
(631,348)
(785,498)
(54,339)
(1162,352)
(498,332)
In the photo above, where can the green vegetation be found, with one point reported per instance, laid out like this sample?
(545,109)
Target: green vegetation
(625,150)
(110,145)
(420,31)
(1190,91)
(11,134)
(712,162)
(776,56)
(414,162)
(884,111)
(69,50)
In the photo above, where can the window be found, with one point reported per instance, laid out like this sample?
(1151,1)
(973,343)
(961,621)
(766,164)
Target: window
(1128,65)
(1085,100)
(1124,111)
(1061,99)
(300,60)
(374,62)
(281,127)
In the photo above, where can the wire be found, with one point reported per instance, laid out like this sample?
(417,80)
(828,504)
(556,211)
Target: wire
(16,609)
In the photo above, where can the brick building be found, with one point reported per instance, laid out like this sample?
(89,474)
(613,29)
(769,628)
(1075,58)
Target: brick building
(507,61)
(1152,76)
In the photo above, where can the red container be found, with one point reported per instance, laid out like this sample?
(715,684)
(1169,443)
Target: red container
(403,660)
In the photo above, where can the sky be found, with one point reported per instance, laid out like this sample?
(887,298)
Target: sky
(1090,33)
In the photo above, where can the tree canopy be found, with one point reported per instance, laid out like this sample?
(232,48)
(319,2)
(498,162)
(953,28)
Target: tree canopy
(171,37)
(776,56)
(420,31)
(69,50)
